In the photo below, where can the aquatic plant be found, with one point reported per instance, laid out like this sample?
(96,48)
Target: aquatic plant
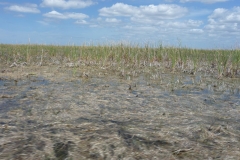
(122,55)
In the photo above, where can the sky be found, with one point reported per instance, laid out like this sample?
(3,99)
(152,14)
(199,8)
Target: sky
(204,24)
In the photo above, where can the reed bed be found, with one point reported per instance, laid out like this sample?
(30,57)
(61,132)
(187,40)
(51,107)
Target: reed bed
(220,63)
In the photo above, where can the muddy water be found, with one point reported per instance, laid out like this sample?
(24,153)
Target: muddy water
(59,113)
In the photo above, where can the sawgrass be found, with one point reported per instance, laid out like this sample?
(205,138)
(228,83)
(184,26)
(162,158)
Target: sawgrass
(219,62)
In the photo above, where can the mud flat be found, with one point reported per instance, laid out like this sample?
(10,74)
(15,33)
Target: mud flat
(58,112)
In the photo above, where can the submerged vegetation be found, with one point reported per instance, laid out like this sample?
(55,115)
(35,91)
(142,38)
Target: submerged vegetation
(118,102)
(216,62)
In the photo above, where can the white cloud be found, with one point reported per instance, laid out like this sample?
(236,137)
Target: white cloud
(194,23)
(76,15)
(225,15)
(224,21)
(118,9)
(152,21)
(218,13)
(165,28)
(57,15)
(186,24)
(112,20)
(28,8)
(67,4)
(196,31)
(81,22)
(204,1)
(162,11)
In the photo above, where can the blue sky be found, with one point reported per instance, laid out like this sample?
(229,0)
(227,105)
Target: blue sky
(190,23)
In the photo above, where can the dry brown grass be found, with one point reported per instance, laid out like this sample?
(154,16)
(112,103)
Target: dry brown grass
(91,112)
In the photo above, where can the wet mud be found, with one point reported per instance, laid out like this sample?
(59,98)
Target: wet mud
(94,113)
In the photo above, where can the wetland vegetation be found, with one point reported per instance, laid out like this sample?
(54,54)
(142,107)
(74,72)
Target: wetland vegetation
(119,101)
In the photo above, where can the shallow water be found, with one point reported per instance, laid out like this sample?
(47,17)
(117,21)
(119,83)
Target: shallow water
(177,116)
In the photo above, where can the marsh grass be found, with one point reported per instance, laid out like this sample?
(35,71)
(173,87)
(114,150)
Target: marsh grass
(217,62)
(127,58)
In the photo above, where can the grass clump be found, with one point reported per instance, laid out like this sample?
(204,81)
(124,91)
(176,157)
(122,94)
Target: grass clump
(217,62)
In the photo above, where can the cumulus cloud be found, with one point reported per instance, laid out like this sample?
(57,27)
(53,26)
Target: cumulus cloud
(224,21)
(186,24)
(27,8)
(225,15)
(118,9)
(112,20)
(166,28)
(162,11)
(57,15)
(82,21)
(204,1)
(196,31)
(194,23)
(67,4)
(163,19)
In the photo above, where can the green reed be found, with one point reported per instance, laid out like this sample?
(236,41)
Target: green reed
(225,61)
